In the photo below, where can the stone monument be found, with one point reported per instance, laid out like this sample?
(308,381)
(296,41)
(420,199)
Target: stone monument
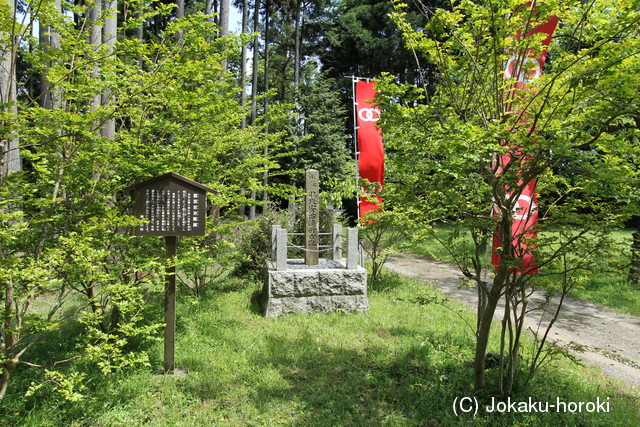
(312,217)
(315,283)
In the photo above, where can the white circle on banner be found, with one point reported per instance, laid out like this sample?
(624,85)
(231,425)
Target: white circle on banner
(524,204)
(529,70)
(527,206)
(369,114)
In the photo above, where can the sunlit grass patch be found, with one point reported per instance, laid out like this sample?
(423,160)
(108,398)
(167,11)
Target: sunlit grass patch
(607,282)
(399,364)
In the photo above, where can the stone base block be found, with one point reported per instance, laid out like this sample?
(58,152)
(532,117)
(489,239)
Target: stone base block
(307,290)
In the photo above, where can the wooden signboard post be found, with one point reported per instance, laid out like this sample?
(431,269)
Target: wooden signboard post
(173,206)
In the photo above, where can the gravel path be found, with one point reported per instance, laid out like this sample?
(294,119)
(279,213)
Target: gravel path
(611,340)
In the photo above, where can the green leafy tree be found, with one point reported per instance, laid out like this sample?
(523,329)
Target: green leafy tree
(64,228)
(387,232)
(444,145)
(324,147)
(295,39)
(363,41)
(613,114)
(290,70)
(10,34)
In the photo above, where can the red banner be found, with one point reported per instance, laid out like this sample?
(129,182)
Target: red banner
(370,149)
(526,66)
(523,66)
(523,228)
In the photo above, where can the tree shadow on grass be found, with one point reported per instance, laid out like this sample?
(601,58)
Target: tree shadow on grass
(62,350)
(284,371)
(417,386)
(386,281)
(338,386)
(377,385)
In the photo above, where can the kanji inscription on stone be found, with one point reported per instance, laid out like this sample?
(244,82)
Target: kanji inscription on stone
(312,215)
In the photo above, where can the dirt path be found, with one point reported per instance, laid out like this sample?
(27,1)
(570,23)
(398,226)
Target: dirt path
(611,340)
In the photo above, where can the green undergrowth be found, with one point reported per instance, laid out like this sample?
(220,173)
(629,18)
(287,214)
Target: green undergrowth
(613,291)
(399,364)
(607,282)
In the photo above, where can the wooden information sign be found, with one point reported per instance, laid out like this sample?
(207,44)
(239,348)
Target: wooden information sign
(173,206)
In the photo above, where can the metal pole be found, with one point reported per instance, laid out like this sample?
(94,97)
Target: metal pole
(355,141)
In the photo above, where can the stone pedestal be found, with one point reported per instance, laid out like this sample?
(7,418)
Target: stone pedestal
(314,284)
(329,286)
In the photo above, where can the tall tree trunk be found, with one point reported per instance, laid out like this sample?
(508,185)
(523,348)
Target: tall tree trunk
(254,88)
(243,62)
(243,80)
(296,96)
(179,9)
(109,39)
(49,39)
(265,178)
(10,155)
(267,24)
(296,74)
(256,47)
(223,23)
(223,18)
(95,13)
(180,15)
(111,25)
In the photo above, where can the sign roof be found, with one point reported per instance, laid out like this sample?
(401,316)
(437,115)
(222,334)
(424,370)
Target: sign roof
(167,176)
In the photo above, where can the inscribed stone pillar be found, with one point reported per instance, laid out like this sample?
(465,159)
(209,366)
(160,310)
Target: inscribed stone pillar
(352,248)
(337,242)
(281,249)
(274,231)
(312,215)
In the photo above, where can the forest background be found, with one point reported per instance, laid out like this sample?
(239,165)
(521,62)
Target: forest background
(97,96)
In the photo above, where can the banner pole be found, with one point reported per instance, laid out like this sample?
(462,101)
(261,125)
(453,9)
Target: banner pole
(355,142)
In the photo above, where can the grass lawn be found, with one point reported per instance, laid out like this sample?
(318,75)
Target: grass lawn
(609,288)
(400,364)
